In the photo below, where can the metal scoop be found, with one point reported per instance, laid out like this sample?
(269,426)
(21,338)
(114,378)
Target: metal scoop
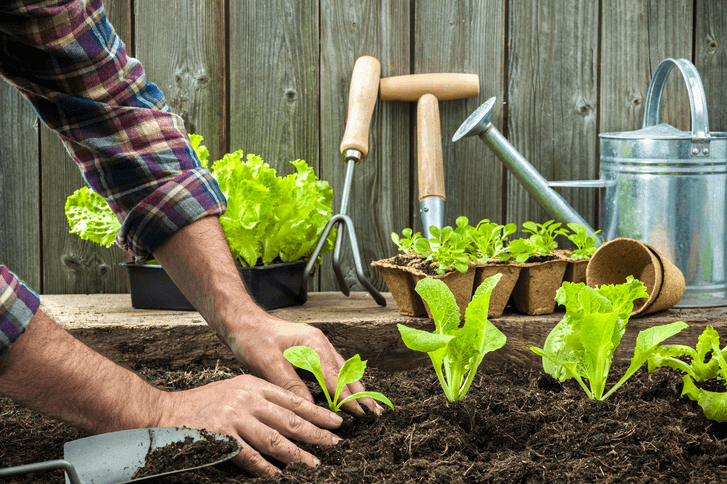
(114,457)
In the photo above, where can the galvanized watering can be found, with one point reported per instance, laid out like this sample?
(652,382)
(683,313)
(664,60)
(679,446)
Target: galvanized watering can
(660,185)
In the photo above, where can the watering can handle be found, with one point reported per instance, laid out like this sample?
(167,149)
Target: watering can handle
(697,98)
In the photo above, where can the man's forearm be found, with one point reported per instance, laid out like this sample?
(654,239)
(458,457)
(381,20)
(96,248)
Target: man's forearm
(199,261)
(50,371)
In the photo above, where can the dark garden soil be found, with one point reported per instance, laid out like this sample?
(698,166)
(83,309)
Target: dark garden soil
(514,426)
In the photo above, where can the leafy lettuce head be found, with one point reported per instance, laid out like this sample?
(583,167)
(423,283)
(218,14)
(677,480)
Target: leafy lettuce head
(269,217)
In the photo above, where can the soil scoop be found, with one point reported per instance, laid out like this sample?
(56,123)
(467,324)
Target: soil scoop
(427,90)
(661,186)
(114,457)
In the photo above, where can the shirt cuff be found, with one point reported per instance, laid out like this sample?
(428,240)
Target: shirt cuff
(18,305)
(187,197)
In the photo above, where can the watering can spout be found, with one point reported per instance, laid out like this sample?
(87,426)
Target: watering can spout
(479,124)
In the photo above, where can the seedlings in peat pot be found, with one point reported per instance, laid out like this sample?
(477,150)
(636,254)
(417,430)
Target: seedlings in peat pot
(707,362)
(449,247)
(456,352)
(585,244)
(407,242)
(582,344)
(489,238)
(352,370)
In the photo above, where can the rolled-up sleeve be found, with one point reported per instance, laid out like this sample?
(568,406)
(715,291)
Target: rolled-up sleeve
(18,305)
(67,60)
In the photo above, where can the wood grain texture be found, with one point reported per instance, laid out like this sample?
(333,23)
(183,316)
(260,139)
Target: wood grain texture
(19,187)
(711,58)
(552,100)
(188,64)
(636,37)
(464,37)
(354,325)
(379,198)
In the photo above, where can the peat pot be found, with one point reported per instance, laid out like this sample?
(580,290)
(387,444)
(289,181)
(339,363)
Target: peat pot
(273,286)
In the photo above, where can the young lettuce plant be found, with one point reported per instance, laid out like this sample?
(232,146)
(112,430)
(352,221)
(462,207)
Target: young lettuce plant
(352,370)
(585,244)
(707,362)
(449,247)
(544,234)
(407,242)
(456,352)
(488,240)
(582,344)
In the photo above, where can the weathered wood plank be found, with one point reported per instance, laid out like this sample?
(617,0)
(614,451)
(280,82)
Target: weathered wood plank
(274,76)
(19,187)
(711,58)
(354,325)
(469,39)
(379,200)
(636,36)
(552,100)
(71,265)
(187,63)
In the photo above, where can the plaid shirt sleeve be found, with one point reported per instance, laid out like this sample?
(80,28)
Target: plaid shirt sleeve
(66,59)
(18,304)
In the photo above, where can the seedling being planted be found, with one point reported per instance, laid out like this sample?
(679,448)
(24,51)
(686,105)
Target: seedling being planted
(456,352)
(582,344)
(352,370)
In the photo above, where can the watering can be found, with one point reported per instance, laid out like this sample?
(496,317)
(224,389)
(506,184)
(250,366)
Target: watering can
(659,185)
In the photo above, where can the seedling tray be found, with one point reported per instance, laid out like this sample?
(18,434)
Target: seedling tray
(272,287)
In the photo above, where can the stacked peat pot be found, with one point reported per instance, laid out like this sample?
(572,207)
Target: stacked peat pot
(529,283)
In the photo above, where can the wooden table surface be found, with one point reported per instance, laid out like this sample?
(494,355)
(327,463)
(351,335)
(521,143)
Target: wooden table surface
(354,324)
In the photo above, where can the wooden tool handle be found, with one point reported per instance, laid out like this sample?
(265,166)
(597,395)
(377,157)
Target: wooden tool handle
(429,148)
(361,101)
(444,86)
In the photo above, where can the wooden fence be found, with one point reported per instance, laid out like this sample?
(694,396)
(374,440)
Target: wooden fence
(272,78)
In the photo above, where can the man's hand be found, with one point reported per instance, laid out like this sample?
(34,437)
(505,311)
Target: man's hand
(261,416)
(48,370)
(198,260)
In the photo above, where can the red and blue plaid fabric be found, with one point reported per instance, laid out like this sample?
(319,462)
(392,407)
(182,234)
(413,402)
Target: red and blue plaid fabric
(66,59)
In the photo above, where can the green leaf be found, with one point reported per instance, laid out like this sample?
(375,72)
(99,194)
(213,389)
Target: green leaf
(714,404)
(424,341)
(352,371)
(90,217)
(307,359)
(375,395)
(442,304)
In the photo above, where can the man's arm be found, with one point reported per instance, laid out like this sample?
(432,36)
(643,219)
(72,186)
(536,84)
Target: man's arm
(50,371)
(199,261)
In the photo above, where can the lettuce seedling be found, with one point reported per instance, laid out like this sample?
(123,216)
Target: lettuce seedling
(543,235)
(706,362)
(489,238)
(456,352)
(582,344)
(448,246)
(407,242)
(585,244)
(352,370)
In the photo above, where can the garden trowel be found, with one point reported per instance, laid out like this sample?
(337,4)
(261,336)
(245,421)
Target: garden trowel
(114,457)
